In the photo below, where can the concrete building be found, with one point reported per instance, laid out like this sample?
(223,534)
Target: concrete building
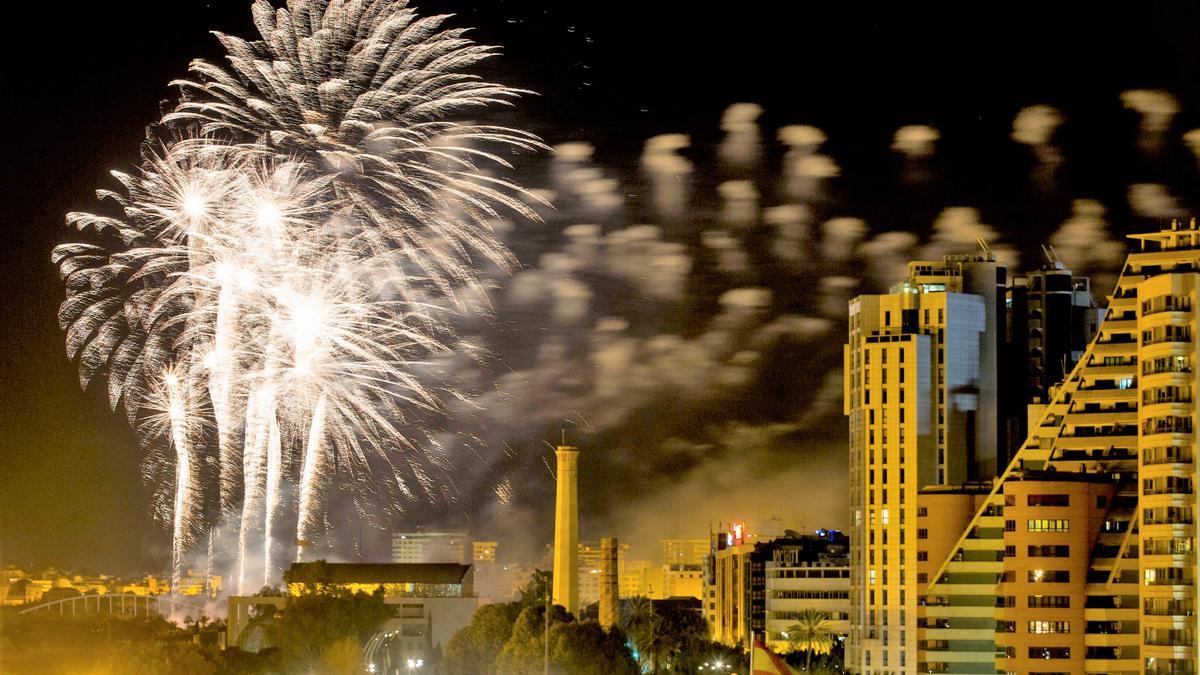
(18,587)
(1086,543)
(566,531)
(432,547)
(684,551)
(1052,316)
(762,586)
(682,581)
(432,602)
(931,393)
(640,578)
(484,551)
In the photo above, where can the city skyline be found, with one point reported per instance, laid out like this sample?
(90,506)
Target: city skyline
(45,457)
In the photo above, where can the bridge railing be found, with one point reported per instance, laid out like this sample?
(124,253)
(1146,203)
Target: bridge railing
(124,604)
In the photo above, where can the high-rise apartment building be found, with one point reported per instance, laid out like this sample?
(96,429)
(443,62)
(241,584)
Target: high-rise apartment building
(684,551)
(1087,542)
(1052,316)
(1080,556)
(930,402)
(431,547)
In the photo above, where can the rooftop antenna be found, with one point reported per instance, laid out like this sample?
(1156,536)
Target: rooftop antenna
(987,252)
(1052,256)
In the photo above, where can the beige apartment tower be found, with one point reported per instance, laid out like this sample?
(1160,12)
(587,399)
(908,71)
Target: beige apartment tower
(1080,557)
(566,530)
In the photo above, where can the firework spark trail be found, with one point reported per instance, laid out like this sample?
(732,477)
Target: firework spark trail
(273,498)
(314,466)
(306,232)
(220,366)
(259,409)
(177,412)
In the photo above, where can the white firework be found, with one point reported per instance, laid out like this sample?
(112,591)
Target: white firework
(278,270)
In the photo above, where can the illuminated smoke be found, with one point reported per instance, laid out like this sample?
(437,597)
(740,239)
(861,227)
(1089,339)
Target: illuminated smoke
(915,141)
(742,146)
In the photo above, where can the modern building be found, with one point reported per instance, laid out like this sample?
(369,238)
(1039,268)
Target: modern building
(500,582)
(431,602)
(684,551)
(682,581)
(484,551)
(1052,316)
(640,578)
(18,587)
(762,587)
(1079,557)
(432,547)
(931,393)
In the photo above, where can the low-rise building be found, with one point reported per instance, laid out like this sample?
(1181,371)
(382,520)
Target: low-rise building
(761,587)
(431,602)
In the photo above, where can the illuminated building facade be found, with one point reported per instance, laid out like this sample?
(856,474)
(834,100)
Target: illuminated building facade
(18,587)
(684,551)
(1084,548)
(682,581)
(761,587)
(922,346)
(430,601)
(484,551)
(432,547)
(932,392)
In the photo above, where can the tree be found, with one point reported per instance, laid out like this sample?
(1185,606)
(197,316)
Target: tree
(585,648)
(524,651)
(640,622)
(343,657)
(678,631)
(160,658)
(811,633)
(234,661)
(537,589)
(313,621)
(473,650)
(703,656)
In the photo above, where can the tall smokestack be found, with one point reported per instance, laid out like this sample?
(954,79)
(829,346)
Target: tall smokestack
(608,582)
(566,531)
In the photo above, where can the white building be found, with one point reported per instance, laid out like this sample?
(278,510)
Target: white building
(432,547)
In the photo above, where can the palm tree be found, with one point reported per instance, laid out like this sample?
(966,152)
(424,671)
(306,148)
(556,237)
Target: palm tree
(811,633)
(641,623)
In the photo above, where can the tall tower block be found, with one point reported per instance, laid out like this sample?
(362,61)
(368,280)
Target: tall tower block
(566,531)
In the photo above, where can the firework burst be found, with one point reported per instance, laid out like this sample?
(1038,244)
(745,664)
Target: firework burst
(276,272)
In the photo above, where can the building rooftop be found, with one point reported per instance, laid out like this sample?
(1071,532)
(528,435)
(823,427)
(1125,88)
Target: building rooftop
(382,573)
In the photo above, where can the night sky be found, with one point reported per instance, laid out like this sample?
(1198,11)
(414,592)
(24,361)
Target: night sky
(81,82)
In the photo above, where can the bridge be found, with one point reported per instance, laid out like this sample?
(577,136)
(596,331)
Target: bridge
(121,604)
